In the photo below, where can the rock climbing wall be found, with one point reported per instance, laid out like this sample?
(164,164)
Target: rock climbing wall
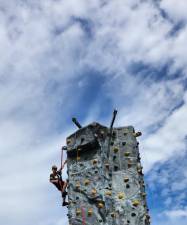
(106,185)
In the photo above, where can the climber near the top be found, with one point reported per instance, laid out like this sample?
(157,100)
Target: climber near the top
(60,184)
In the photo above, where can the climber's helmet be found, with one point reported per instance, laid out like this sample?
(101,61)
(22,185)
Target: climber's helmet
(54,167)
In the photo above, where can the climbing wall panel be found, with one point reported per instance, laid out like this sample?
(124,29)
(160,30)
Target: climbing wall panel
(106,183)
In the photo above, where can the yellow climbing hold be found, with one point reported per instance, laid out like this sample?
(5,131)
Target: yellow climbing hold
(77,185)
(94,161)
(108,193)
(78,212)
(94,191)
(121,195)
(115,149)
(86,182)
(90,212)
(100,205)
(126,154)
(135,203)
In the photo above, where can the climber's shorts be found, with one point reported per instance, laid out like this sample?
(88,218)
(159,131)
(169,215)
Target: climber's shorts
(58,185)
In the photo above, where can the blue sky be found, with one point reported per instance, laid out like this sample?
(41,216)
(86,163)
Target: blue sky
(64,58)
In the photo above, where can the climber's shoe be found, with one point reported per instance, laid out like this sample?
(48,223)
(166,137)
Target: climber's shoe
(64,194)
(64,203)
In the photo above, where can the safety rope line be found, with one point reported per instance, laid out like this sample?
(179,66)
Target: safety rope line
(61,157)
(83,216)
(61,173)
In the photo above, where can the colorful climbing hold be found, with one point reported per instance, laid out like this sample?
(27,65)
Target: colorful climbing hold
(86,182)
(115,149)
(90,212)
(126,154)
(126,179)
(135,203)
(121,195)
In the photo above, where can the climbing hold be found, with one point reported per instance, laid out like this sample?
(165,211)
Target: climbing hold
(113,214)
(121,195)
(68,141)
(126,154)
(140,171)
(143,194)
(78,212)
(94,161)
(126,179)
(107,165)
(86,182)
(115,168)
(127,186)
(100,205)
(102,132)
(90,212)
(108,193)
(135,203)
(137,134)
(139,167)
(115,149)
(94,191)
(77,185)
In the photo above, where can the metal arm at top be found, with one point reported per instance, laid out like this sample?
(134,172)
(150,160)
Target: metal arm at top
(74,120)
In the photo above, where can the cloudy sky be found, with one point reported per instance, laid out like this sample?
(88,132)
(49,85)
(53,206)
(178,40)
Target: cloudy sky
(83,58)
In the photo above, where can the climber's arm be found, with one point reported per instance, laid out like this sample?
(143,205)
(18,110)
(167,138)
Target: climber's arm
(62,167)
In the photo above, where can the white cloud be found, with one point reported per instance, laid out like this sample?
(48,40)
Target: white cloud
(169,140)
(175,9)
(177,213)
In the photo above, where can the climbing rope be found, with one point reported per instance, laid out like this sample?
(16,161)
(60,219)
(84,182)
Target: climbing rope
(61,157)
(83,216)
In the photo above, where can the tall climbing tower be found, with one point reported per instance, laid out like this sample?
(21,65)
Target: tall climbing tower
(106,185)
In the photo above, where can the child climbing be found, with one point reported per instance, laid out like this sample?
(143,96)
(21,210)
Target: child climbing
(60,184)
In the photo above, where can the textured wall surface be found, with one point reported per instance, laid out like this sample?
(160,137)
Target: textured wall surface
(105,177)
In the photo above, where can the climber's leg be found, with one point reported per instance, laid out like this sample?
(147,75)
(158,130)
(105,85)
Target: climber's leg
(64,186)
